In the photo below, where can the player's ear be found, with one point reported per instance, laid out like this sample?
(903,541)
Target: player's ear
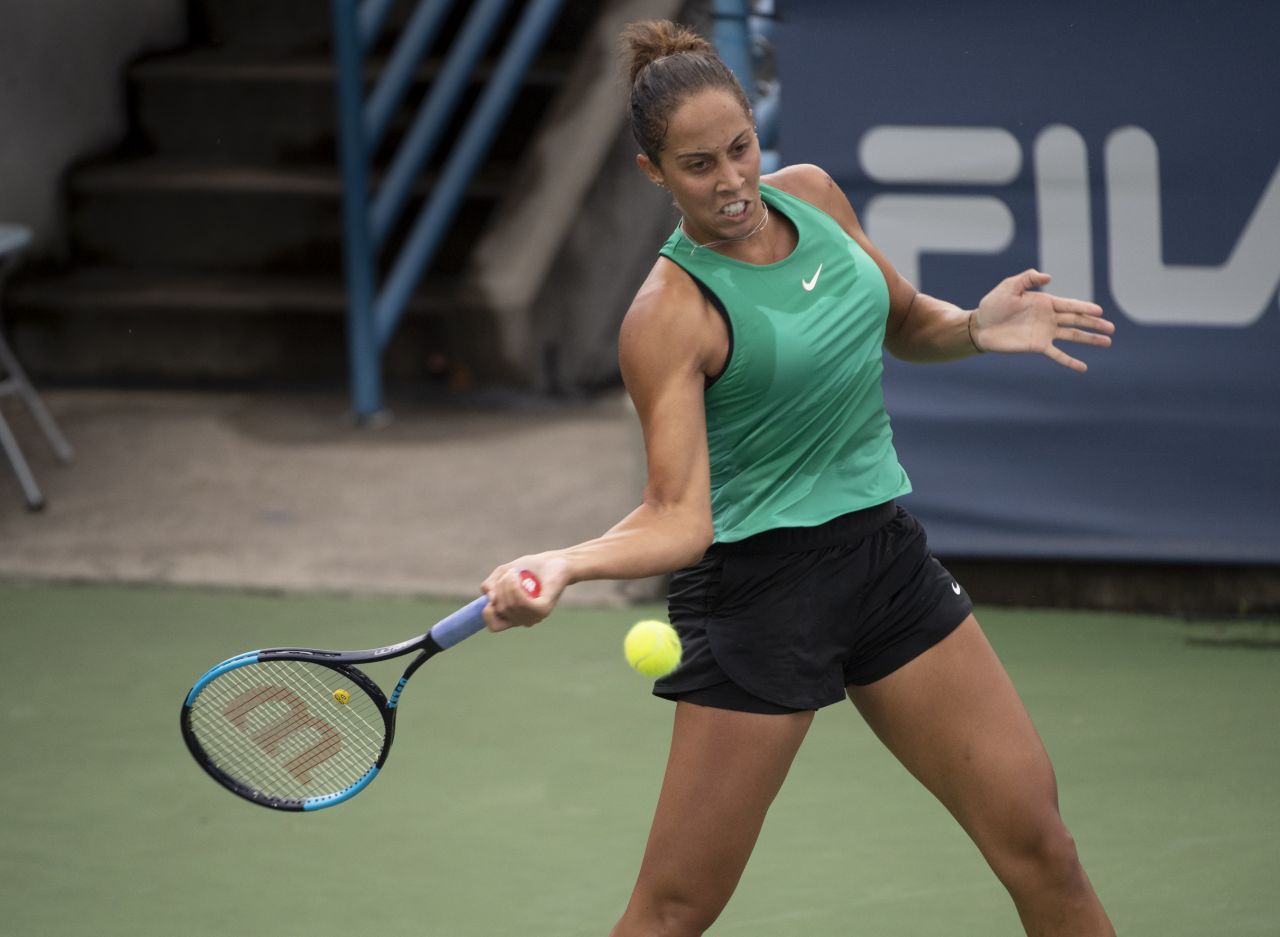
(649,169)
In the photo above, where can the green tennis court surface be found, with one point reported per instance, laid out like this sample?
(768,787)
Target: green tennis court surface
(517,797)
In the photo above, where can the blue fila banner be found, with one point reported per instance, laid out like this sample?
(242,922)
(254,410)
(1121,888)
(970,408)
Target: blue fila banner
(1133,152)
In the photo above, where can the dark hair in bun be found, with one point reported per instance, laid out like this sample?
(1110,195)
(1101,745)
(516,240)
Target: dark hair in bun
(667,62)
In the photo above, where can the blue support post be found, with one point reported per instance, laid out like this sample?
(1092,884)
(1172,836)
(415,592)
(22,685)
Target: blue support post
(363,350)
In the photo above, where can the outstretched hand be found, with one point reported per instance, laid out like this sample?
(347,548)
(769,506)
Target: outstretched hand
(1017,317)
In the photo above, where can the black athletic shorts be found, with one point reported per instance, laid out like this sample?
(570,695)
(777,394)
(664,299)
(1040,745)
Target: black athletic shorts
(785,620)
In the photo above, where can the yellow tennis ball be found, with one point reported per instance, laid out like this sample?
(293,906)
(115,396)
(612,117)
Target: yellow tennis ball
(341,696)
(652,648)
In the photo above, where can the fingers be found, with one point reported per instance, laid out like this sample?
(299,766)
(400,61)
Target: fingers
(1082,337)
(1078,307)
(1058,356)
(495,622)
(1030,279)
(496,613)
(510,603)
(1079,322)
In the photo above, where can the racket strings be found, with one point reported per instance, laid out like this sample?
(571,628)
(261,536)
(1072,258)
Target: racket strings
(276,726)
(287,751)
(249,765)
(289,777)
(288,739)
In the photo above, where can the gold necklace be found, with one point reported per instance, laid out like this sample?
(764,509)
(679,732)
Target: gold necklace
(764,220)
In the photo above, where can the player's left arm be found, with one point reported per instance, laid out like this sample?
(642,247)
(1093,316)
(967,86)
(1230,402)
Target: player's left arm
(1014,317)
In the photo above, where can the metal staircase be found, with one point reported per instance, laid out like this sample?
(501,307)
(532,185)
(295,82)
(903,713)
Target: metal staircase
(208,247)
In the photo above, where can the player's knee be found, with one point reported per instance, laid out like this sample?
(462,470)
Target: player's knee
(1057,857)
(670,916)
(1044,856)
(682,918)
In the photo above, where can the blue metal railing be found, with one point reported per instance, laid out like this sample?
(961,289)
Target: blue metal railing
(374,308)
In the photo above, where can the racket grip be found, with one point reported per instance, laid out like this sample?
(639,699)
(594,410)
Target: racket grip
(469,619)
(461,625)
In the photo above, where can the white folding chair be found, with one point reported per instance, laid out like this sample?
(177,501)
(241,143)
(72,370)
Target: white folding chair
(14,382)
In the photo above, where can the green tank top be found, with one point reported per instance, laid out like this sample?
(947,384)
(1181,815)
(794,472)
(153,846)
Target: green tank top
(796,423)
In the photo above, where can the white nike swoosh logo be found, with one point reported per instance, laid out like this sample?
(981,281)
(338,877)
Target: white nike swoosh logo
(955,587)
(810,284)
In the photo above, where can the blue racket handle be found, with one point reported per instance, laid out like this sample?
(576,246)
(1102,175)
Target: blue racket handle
(469,619)
(461,625)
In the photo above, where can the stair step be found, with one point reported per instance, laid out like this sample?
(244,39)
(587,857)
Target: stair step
(242,65)
(233,107)
(153,212)
(163,174)
(115,325)
(276,25)
(114,290)
(307,25)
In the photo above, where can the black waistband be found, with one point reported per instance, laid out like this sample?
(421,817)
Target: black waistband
(842,529)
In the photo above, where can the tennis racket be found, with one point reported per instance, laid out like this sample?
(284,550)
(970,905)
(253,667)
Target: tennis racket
(296,728)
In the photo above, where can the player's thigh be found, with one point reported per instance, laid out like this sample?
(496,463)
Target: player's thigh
(955,721)
(723,772)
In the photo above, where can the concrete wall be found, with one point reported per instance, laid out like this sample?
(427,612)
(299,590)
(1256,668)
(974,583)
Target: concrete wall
(62,93)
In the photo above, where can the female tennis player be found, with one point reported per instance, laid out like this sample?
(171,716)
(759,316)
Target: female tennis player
(753,354)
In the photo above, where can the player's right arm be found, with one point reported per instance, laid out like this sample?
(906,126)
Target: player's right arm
(669,342)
